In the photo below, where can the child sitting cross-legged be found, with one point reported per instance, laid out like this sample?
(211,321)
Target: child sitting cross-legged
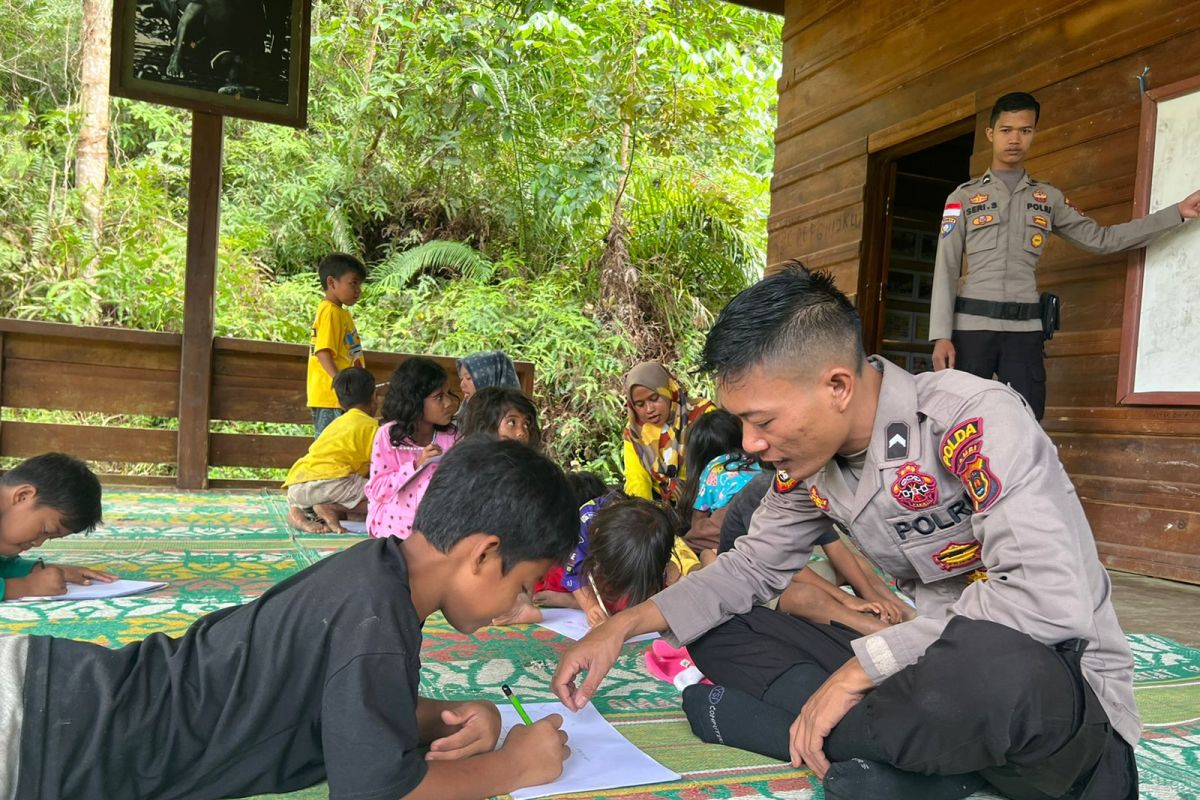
(326,485)
(45,497)
(504,412)
(416,431)
(628,548)
(317,679)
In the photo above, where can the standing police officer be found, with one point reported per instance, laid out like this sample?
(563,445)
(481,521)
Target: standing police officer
(986,317)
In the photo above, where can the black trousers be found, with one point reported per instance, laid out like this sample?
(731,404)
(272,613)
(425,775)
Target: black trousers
(984,698)
(1017,359)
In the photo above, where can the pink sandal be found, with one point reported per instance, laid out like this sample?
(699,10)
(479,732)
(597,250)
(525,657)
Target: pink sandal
(673,665)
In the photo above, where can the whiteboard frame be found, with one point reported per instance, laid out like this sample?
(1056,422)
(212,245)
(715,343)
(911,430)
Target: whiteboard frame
(1131,319)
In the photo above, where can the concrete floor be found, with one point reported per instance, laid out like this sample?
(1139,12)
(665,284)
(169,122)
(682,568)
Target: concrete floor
(1152,605)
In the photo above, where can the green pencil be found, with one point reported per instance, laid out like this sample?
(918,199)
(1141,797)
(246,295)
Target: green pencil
(516,701)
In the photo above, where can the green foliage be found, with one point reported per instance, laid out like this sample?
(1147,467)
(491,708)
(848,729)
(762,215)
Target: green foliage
(470,153)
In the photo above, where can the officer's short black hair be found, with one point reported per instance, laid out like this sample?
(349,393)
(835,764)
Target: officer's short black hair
(501,487)
(354,386)
(63,483)
(796,317)
(335,265)
(1016,101)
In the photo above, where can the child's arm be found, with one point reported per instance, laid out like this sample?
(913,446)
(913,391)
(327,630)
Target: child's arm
(590,605)
(391,468)
(872,591)
(455,730)
(532,755)
(325,359)
(25,578)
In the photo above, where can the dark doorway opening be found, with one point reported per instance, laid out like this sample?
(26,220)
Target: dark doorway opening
(906,193)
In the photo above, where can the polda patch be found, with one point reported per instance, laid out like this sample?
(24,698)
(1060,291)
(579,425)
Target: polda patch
(957,555)
(948,225)
(983,487)
(957,440)
(820,502)
(913,489)
(784,484)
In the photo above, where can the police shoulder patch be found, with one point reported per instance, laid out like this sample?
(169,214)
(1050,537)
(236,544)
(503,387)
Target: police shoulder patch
(957,439)
(785,484)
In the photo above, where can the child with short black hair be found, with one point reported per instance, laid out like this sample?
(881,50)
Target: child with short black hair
(505,412)
(315,680)
(42,498)
(628,546)
(335,343)
(415,433)
(326,485)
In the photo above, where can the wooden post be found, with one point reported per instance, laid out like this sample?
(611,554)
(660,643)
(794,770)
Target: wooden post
(195,363)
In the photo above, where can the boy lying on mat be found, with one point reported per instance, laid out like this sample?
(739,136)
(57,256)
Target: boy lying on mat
(315,680)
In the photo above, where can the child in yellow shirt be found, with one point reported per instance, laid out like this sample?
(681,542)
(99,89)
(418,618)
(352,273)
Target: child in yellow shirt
(326,485)
(335,341)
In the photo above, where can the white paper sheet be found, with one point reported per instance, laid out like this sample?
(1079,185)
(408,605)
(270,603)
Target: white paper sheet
(354,525)
(99,590)
(572,623)
(596,751)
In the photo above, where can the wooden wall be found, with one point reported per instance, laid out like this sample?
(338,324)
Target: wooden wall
(861,76)
(115,371)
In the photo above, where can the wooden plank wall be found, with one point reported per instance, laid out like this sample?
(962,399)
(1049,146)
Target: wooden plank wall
(862,76)
(126,372)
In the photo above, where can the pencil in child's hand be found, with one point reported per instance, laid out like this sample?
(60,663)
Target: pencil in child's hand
(516,703)
(599,599)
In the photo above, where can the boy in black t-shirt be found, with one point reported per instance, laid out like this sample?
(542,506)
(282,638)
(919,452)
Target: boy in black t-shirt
(315,680)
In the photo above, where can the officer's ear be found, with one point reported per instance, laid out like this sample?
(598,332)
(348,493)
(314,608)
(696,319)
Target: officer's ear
(840,382)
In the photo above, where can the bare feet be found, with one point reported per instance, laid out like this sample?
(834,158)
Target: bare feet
(555,599)
(331,515)
(298,520)
(523,613)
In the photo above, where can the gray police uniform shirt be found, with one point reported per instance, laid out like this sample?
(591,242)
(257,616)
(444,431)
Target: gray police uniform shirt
(963,500)
(1003,234)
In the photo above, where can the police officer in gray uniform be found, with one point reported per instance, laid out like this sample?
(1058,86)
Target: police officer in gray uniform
(986,316)
(1015,670)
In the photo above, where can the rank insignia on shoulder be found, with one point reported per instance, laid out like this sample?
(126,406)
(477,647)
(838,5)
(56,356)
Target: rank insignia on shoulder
(948,224)
(982,219)
(979,198)
(784,484)
(957,554)
(914,489)
(820,502)
(1040,197)
(1037,240)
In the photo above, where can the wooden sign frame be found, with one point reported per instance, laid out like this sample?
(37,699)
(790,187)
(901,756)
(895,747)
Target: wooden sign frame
(141,75)
(1131,318)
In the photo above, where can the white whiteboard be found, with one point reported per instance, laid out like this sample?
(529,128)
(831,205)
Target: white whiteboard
(1168,356)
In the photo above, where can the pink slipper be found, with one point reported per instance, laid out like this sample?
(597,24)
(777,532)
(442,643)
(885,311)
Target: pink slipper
(673,665)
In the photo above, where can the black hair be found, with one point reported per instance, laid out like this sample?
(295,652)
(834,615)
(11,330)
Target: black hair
(1015,101)
(629,546)
(795,316)
(585,487)
(404,404)
(63,483)
(354,386)
(488,407)
(500,487)
(335,265)
(716,433)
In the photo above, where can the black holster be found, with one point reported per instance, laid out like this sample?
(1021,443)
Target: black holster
(1051,314)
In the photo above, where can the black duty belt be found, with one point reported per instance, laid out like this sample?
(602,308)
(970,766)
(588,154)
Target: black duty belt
(997,310)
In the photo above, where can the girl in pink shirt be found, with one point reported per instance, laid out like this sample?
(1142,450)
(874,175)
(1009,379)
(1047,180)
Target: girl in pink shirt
(414,433)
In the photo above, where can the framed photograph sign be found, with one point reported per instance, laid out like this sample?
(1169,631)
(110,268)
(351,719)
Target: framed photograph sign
(236,58)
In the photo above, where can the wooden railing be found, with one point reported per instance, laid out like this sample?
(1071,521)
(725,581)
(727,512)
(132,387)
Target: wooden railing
(116,371)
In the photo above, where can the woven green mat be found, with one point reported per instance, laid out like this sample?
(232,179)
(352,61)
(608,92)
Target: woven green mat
(217,549)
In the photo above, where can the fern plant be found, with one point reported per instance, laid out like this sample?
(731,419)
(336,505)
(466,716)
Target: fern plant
(438,256)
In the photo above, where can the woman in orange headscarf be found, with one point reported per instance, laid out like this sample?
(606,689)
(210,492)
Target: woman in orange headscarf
(659,413)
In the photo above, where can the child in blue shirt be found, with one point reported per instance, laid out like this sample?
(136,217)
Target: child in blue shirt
(718,468)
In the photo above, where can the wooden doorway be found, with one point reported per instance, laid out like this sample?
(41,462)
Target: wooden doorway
(906,191)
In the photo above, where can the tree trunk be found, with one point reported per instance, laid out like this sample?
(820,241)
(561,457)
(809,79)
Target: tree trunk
(91,155)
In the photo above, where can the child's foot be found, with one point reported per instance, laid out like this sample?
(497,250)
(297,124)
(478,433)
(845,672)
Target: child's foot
(331,515)
(300,521)
(523,613)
